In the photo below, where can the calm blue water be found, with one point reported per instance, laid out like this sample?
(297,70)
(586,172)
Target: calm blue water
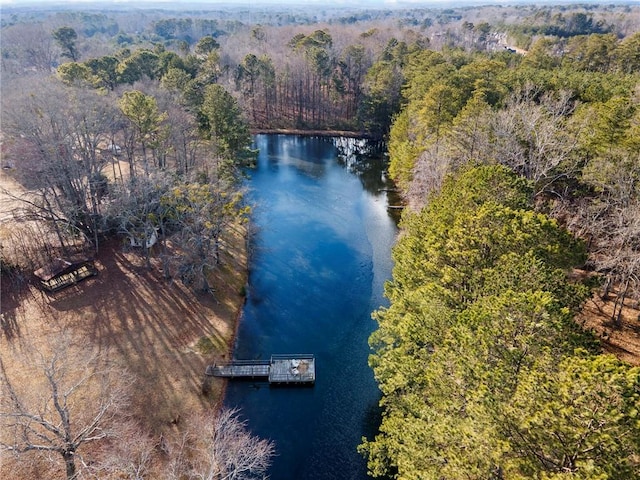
(320,256)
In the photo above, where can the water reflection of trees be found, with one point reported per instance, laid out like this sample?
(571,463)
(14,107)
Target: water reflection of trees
(366,159)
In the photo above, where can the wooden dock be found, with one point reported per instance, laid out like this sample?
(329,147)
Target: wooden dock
(279,369)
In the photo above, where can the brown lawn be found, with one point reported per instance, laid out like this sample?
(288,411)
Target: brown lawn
(162,331)
(159,328)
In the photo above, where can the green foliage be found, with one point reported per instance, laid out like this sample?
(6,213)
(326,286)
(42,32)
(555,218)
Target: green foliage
(315,48)
(483,372)
(466,230)
(168,60)
(175,79)
(402,151)
(142,111)
(470,131)
(556,120)
(105,71)
(593,53)
(437,90)
(559,25)
(205,346)
(247,73)
(206,45)
(208,68)
(628,54)
(143,114)
(127,67)
(581,417)
(607,124)
(140,64)
(225,125)
(73,73)
(318,39)
(381,100)
(172,27)
(66,38)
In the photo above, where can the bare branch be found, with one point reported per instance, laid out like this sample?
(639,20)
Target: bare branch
(73,398)
(219,447)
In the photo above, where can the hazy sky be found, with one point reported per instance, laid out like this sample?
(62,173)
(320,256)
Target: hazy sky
(176,3)
(206,2)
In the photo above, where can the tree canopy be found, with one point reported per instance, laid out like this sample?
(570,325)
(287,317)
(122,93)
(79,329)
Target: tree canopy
(481,312)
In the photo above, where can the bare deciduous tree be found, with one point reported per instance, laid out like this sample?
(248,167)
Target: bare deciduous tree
(59,129)
(57,400)
(130,456)
(531,136)
(201,213)
(27,48)
(219,447)
(614,229)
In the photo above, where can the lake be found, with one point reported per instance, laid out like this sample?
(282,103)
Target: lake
(320,252)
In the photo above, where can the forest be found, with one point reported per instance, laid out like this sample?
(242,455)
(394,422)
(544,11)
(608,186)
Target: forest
(513,135)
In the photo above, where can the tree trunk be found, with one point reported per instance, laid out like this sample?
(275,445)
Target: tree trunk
(619,305)
(70,464)
(205,287)
(606,288)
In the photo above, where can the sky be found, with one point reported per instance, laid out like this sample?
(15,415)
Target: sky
(176,3)
(207,2)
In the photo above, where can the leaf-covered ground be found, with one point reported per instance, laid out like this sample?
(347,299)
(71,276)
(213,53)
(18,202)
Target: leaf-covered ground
(156,327)
(622,340)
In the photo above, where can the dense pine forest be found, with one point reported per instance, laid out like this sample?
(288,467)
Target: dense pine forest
(513,135)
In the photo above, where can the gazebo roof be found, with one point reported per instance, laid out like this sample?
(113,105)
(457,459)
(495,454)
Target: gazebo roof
(57,266)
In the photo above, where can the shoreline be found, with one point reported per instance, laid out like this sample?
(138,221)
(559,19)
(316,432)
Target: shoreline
(219,400)
(310,132)
(243,247)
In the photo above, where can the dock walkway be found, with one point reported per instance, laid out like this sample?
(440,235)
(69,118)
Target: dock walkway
(300,368)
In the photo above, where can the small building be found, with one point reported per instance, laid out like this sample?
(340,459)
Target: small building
(61,273)
(148,241)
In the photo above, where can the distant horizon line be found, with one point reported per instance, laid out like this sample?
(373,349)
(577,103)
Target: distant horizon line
(180,4)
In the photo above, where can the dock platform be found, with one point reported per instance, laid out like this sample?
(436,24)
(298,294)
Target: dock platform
(280,369)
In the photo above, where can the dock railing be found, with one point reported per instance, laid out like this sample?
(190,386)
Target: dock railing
(295,356)
(239,368)
(242,363)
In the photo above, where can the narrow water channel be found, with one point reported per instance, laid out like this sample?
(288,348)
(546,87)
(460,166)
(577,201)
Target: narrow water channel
(320,255)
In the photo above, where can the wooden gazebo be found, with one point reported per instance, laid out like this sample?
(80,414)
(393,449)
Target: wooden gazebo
(61,273)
